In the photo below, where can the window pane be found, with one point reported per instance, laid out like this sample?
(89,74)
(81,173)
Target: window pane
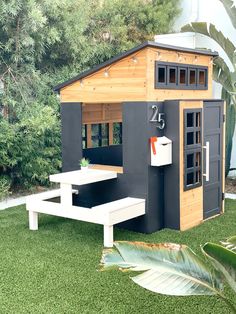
(202,77)
(117,133)
(189,120)
(84,144)
(161,74)
(84,130)
(190,140)
(95,129)
(172,75)
(190,178)
(104,129)
(95,142)
(182,76)
(198,137)
(190,160)
(192,76)
(198,119)
(198,159)
(198,176)
(104,142)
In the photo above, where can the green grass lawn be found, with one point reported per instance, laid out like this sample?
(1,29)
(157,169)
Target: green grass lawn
(54,269)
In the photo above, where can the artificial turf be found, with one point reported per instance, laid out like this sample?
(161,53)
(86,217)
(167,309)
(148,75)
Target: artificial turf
(55,269)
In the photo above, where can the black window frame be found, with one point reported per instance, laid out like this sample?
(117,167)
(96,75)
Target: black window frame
(189,76)
(195,148)
(198,78)
(119,133)
(194,169)
(84,138)
(178,85)
(186,75)
(100,137)
(169,68)
(165,75)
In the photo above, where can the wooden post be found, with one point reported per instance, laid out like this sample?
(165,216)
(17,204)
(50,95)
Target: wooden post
(108,236)
(33,220)
(89,136)
(66,194)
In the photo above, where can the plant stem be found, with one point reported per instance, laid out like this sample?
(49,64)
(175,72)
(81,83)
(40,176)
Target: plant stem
(231,305)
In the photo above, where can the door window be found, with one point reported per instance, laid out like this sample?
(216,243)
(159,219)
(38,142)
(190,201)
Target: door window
(192,148)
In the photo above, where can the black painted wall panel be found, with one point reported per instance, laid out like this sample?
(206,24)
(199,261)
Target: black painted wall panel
(171,175)
(155,202)
(106,155)
(71,135)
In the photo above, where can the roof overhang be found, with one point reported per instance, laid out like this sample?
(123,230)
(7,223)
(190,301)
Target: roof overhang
(130,52)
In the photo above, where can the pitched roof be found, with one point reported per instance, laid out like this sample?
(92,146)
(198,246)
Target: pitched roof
(129,52)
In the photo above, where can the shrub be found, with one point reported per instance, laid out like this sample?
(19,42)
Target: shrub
(5,184)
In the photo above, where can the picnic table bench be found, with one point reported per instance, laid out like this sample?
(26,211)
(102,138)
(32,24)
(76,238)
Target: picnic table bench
(107,214)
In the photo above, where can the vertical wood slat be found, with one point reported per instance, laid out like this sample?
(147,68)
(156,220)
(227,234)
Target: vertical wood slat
(110,133)
(89,136)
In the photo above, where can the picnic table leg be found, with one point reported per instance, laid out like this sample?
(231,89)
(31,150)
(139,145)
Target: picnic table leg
(108,236)
(33,220)
(66,194)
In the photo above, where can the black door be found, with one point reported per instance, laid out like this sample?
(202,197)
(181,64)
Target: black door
(212,164)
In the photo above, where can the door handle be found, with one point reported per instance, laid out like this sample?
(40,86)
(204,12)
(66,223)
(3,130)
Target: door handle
(207,148)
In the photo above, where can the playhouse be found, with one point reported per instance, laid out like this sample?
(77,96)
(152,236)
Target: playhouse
(148,117)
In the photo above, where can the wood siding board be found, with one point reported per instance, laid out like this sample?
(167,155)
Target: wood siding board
(136,50)
(89,136)
(110,133)
(101,113)
(191,198)
(129,81)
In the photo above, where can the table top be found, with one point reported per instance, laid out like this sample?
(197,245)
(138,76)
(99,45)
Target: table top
(81,177)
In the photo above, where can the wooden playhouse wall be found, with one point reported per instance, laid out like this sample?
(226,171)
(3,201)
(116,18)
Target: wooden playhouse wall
(134,81)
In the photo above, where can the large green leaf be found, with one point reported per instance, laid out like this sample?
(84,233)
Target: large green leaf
(230,9)
(166,268)
(212,32)
(223,260)
(222,74)
(230,243)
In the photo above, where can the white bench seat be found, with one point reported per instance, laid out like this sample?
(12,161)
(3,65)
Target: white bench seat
(106,214)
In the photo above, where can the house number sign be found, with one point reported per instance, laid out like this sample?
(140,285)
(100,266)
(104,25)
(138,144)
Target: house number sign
(157,117)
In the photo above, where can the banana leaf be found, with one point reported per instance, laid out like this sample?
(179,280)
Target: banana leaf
(230,126)
(212,32)
(230,243)
(222,74)
(166,268)
(223,260)
(231,10)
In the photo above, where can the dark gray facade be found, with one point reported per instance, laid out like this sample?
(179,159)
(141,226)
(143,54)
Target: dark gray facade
(158,185)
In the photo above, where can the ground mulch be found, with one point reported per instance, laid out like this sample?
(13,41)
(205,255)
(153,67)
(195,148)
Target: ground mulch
(230,185)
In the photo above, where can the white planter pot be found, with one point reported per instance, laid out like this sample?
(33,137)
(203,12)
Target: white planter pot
(84,168)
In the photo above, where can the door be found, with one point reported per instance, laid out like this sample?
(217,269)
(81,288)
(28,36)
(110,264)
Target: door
(212,158)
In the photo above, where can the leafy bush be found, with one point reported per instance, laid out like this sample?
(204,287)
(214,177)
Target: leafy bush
(30,148)
(5,184)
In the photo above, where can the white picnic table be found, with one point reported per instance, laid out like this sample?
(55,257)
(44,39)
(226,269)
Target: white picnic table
(79,177)
(107,214)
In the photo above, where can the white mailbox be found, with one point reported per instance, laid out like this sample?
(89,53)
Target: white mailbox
(161,151)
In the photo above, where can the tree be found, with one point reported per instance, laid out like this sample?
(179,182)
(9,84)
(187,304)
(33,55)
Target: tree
(43,42)
(221,72)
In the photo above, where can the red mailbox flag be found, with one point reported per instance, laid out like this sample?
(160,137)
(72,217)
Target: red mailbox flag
(153,140)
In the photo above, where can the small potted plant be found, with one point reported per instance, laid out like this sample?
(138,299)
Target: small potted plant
(84,163)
